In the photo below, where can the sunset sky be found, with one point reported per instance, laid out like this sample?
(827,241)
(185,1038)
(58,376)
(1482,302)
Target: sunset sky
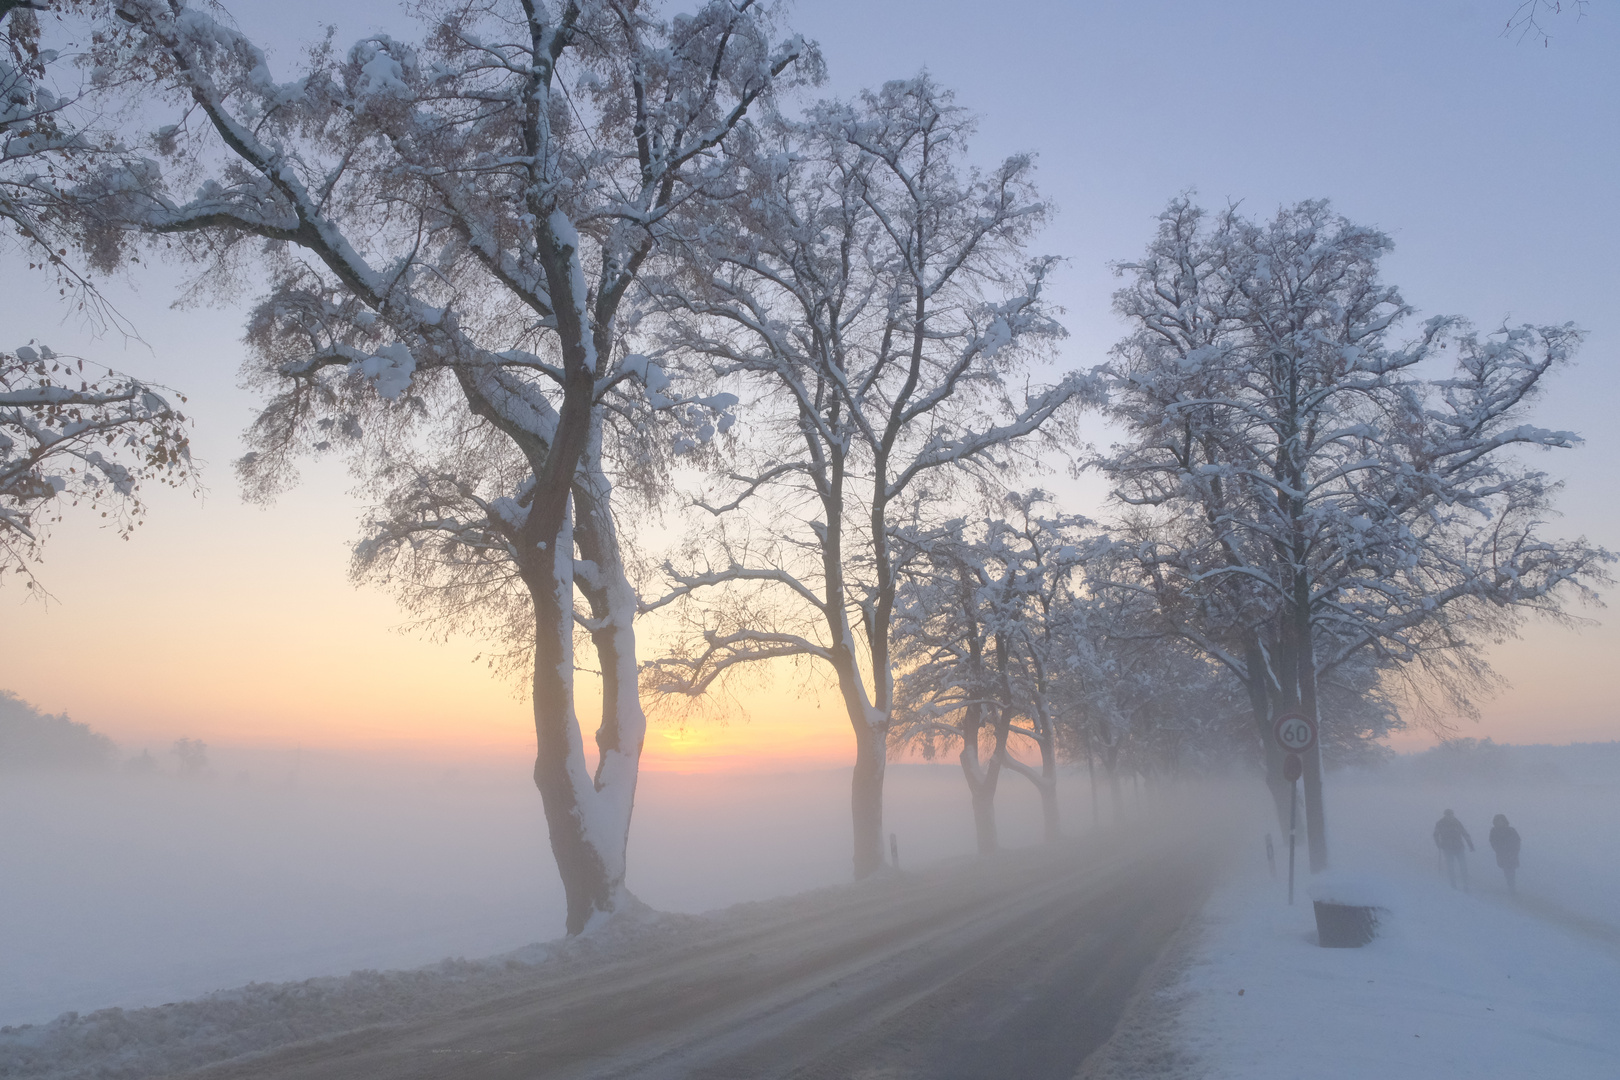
(1492,162)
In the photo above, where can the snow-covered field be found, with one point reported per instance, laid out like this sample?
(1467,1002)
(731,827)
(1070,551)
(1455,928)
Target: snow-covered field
(129,891)
(1479,984)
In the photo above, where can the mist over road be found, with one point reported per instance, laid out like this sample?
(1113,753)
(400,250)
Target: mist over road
(1015,965)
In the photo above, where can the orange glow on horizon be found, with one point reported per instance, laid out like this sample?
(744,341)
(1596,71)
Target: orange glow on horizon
(263,641)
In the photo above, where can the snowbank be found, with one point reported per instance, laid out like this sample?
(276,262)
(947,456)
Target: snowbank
(133,1044)
(1476,984)
(139,890)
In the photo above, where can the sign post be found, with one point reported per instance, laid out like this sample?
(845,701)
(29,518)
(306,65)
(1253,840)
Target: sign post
(1295,734)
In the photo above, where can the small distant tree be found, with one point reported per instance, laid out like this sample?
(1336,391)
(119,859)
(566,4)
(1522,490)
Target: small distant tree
(32,741)
(982,637)
(947,647)
(192,755)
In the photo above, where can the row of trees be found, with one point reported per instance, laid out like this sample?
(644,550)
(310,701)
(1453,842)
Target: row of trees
(553,264)
(1309,509)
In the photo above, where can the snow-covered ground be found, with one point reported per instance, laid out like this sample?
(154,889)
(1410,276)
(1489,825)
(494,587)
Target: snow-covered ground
(1479,984)
(129,891)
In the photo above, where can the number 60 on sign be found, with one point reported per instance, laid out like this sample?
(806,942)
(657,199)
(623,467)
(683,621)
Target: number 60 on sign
(1295,732)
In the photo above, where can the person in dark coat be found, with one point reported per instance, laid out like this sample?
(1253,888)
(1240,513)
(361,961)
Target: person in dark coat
(1505,842)
(1449,837)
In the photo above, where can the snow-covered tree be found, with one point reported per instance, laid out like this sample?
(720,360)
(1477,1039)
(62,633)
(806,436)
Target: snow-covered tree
(48,139)
(452,230)
(68,435)
(871,301)
(1299,491)
(946,646)
(71,437)
(985,638)
(33,740)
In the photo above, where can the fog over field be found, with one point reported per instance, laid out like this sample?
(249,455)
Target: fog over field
(132,890)
(708,539)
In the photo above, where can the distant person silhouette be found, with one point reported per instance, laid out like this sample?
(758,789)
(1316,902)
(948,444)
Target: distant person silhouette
(1505,842)
(1449,837)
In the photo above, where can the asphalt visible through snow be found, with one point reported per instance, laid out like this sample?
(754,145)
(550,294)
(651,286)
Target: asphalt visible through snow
(1013,966)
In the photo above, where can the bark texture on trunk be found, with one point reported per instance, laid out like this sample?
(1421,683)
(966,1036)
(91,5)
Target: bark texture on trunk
(1315,816)
(559,767)
(984,817)
(623,728)
(866,798)
(587,815)
(1050,820)
(981,779)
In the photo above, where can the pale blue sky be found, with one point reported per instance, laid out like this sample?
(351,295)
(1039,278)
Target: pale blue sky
(1492,162)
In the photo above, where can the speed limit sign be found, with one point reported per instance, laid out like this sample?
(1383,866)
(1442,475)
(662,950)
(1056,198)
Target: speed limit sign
(1295,732)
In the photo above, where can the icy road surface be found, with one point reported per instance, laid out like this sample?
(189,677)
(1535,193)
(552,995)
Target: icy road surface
(1016,966)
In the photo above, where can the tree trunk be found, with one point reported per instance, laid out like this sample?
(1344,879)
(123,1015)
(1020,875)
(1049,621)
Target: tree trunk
(1315,818)
(1049,802)
(1257,684)
(984,815)
(1091,775)
(623,728)
(559,768)
(981,780)
(866,797)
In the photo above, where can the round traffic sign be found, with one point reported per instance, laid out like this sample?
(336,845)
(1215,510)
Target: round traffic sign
(1292,768)
(1295,732)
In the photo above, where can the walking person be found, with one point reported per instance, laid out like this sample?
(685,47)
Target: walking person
(1505,842)
(1449,837)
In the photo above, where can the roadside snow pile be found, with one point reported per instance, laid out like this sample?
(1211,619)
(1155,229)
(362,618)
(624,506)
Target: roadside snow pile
(139,889)
(123,1044)
(1479,984)
(131,1044)
(1454,985)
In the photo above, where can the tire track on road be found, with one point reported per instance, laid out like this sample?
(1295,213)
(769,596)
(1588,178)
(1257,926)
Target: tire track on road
(1016,965)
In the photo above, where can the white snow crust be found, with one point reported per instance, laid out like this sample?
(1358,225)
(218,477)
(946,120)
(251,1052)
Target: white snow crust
(140,891)
(257,878)
(1477,984)
(124,1044)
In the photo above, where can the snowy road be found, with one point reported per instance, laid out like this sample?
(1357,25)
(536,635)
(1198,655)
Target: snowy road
(1013,966)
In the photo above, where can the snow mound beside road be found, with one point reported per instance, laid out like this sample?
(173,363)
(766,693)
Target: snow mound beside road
(1477,984)
(129,1044)
(123,1044)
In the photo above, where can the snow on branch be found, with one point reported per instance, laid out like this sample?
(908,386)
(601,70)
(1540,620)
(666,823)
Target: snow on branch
(70,437)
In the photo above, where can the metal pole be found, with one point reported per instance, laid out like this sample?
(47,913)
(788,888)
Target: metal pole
(1293,820)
